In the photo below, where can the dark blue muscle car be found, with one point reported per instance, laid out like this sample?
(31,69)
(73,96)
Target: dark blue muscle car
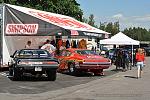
(33,61)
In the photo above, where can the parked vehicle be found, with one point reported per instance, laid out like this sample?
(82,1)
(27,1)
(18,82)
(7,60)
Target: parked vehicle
(111,54)
(103,50)
(34,61)
(147,49)
(77,61)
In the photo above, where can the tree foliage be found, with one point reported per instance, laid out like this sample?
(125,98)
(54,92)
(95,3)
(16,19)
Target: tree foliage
(91,20)
(64,7)
(138,33)
(110,27)
(85,20)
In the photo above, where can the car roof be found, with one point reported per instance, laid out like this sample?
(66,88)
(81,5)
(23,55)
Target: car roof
(32,49)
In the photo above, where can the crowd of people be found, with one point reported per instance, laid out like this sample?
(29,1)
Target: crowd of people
(59,45)
(123,59)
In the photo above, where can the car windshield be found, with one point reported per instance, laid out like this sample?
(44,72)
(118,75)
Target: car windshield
(85,52)
(32,53)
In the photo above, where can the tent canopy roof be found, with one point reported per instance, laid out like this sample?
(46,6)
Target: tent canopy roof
(62,21)
(120,39)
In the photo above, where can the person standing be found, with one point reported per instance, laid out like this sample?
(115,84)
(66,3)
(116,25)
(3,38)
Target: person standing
(63,46)
(28,45)
(49,47)
(140,58)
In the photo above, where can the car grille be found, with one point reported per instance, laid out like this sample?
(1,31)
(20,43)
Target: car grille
(95,65)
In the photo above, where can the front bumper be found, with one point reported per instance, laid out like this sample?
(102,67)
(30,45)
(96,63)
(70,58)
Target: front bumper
(93,65)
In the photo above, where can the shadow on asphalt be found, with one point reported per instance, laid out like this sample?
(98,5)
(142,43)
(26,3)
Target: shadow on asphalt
(131,77)
(30,78)
(84,74)
(116,70)
(4,69)
(78,75)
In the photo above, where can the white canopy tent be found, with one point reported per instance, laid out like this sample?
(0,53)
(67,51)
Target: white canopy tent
(120,39)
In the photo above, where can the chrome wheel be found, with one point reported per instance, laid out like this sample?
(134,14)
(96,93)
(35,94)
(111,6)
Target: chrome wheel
(71,68)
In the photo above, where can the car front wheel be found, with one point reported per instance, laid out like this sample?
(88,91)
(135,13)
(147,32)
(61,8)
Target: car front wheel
(73,70)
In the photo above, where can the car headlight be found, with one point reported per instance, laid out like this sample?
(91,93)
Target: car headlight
(109,61)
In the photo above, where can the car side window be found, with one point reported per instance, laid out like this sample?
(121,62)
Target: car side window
(79,52)
(41,53)
(16,54)
(25,53)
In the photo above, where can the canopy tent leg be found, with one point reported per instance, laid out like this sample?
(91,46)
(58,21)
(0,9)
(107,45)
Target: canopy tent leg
(132,56)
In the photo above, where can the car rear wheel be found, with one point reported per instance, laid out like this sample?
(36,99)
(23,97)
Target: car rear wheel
(16,75)
(51,74)
(10,72)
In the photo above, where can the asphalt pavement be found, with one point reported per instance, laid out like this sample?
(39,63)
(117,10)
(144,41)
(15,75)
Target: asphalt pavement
(35,85)
(119,86)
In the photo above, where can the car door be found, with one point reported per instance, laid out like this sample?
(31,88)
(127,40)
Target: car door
(63,59)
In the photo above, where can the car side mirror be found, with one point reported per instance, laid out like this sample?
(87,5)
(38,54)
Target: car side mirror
(11,56)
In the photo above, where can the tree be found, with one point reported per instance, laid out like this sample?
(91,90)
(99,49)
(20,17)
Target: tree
(116,27)
(91,20)
(109,28)
(102,26)
(85,20)
(138,33)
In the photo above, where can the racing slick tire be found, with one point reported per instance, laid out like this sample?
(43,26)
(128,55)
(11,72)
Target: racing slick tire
(16,74)
(10,72)
(72,70)
(51,74)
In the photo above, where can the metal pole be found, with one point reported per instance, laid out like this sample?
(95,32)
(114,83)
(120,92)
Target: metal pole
(1,10)
(3,30)
(132,54)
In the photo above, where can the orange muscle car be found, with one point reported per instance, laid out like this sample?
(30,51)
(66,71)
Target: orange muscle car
(82,60)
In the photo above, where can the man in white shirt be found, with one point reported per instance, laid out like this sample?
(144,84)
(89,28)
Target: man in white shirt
(49,47)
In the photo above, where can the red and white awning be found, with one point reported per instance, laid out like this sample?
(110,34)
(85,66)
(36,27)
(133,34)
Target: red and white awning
(58,20)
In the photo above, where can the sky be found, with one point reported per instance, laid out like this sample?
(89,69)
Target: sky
(129,13)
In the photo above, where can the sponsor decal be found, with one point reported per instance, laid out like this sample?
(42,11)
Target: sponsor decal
(92,34)
(74,32)
(27,29)
(60,21)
